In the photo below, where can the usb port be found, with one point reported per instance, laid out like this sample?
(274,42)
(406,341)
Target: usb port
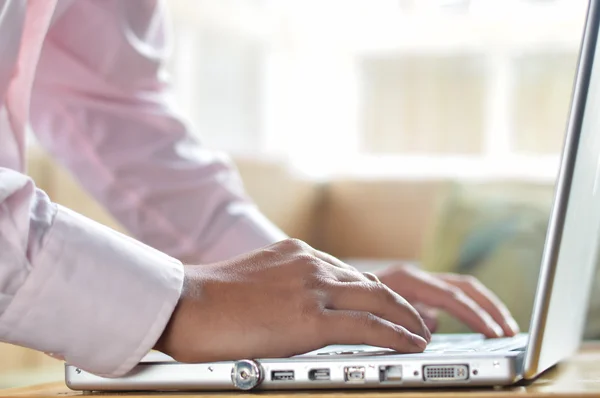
(282,375)
(319,374)
(354,373)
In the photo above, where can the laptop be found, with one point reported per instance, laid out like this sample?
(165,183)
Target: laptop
(558,317)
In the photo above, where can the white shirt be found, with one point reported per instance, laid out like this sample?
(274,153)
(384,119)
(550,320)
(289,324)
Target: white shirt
(88,77)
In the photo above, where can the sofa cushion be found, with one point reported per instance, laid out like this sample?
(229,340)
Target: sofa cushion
(496,232)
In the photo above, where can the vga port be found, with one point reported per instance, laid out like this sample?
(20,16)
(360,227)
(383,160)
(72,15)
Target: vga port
(445,372)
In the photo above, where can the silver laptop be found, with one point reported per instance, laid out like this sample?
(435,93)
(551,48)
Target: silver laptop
(557,323)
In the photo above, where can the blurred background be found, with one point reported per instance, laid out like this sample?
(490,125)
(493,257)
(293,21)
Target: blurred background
(378,130)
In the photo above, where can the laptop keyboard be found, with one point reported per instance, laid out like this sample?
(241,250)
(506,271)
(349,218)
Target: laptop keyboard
(444,343)
(477,345)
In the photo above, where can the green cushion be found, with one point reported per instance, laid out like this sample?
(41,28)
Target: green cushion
(496,232)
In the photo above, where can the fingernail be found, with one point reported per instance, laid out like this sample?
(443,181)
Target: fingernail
(513,325)
(496,329)
(428,335)
(419,341)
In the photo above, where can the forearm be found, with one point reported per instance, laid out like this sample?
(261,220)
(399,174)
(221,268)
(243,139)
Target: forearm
(110,120)
(72,287)
(155,178)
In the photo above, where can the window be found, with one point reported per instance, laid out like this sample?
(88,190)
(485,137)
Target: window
(423,104)
(541,98)
(376,87)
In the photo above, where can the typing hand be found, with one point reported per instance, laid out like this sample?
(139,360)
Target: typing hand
(283,300)
(462,296)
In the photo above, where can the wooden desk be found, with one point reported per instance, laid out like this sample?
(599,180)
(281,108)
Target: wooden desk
(577,377)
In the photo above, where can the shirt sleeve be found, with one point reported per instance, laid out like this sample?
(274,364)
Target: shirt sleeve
(75,288)
(101,104)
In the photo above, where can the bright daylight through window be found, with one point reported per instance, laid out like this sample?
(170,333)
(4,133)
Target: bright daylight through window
(409,88)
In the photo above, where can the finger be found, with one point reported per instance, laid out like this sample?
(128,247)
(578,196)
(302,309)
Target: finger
(429,315)
(340,264)
(436,293)
(379,300)
(356,327)
(344,275)
(332,260)
(342,271)
(298,246)
(486,300)
(372,277)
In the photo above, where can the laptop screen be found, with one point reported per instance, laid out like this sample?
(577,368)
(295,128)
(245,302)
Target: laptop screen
(569,258)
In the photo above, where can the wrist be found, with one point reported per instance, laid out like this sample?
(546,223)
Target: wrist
(162,344)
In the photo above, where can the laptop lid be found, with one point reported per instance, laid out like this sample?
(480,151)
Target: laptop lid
(569,257)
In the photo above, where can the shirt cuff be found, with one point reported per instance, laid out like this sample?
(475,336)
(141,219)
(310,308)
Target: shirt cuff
(94,296)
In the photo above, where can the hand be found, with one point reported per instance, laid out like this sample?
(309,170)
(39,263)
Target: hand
(460,295)
(283,300)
